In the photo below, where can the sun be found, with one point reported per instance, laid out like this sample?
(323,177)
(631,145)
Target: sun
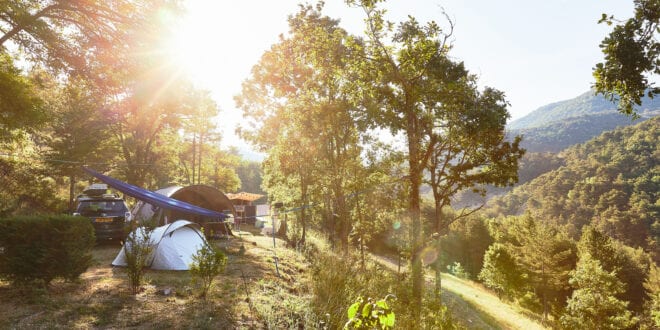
(191,50)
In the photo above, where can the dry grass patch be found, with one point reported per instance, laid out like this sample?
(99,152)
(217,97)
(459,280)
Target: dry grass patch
(248,295)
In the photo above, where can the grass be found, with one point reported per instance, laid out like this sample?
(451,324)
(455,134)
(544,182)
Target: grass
(496,312)
(248,295)
(475,307)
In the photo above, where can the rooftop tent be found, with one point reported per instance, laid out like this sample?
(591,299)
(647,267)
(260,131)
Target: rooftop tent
(178,207)
(173,246)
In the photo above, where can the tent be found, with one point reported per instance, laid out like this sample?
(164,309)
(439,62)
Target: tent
(198,203)
(156,199)
(173,246)
(200,195)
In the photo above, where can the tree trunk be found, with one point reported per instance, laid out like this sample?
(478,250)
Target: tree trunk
(438,247)
(72,186)
(303,215)
(194,156)
(438,271)
(199,163)
(416,239)
(416,243)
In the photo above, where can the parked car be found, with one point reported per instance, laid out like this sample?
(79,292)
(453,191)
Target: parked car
(107,211)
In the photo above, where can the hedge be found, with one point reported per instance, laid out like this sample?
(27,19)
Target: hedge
(37,249)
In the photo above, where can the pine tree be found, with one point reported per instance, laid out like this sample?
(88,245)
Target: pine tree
(593,304)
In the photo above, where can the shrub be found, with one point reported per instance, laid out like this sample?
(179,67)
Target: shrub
(207,263)
(37,249)
(137,249)
(369,314)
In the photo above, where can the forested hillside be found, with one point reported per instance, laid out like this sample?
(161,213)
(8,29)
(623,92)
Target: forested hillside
(557,126)
(579,243)
(587,103)
(559,135)
(612,182)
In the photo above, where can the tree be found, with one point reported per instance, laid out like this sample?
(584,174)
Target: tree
(76,37)
(20,107)
(250,174)
(630,268)
(593,304)
(652,286)
(544,255)
(500,272)
(470,151)
(631,57)
(409,85)
(76,133)
(297,101)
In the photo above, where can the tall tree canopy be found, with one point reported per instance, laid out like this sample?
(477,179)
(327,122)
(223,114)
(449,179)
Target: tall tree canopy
(297,102)
(20,107)
(74,35)
(410,85)
(631,57)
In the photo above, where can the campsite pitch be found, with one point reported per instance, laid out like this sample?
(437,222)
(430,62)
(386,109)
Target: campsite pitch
(248,295)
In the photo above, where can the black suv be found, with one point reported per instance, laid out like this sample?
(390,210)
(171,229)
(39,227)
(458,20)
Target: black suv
(108,213)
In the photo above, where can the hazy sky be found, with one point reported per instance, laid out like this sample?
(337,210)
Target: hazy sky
(536,51)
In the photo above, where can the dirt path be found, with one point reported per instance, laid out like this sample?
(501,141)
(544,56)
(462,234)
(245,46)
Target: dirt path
(483,302)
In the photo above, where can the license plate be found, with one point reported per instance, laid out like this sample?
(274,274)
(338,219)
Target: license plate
(103,220)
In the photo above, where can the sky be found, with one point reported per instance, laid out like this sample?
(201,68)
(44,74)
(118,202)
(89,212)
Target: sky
(536,52)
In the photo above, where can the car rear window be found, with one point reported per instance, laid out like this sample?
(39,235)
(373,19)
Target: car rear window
(97,207)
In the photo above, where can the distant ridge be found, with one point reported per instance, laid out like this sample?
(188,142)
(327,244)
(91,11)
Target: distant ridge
(586,104)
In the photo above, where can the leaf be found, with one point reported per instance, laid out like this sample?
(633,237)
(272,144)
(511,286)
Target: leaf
(352,311)
(366,310)
(387,320)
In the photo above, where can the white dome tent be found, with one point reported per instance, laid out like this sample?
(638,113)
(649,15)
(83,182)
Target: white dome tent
(173,246)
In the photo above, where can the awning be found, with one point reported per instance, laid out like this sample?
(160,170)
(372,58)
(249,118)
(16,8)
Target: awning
(155,198)
(244,196)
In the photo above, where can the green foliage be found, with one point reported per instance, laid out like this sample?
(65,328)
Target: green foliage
(457,270)
(407,83)
(27,188)
(207,263)
(500,272)
(593,304)
(557,136)
(629,265)
(586,106)
(652,286)
(609,182)
(250,174)
(138,252)
(370,314)
(38,249)
(299,94)
(631,57)
(466,243)
(435,315)
(20,107)
(543,254)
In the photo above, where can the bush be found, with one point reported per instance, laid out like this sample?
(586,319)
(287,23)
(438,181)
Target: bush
(137,250)
(37,249)
(207,263)
(370,314)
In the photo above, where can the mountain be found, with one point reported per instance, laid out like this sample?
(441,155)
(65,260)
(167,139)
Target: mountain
(556,126)
(586,104)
